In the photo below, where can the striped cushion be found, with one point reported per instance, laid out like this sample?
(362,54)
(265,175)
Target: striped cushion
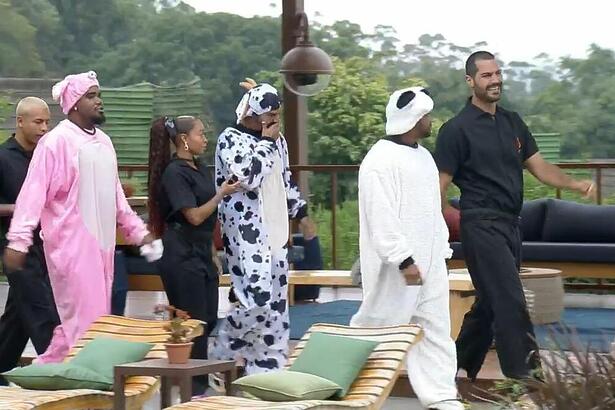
(138,388)
(370,389)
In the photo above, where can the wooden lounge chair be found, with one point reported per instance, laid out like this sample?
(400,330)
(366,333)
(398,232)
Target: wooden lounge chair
(370,389)
(138,389)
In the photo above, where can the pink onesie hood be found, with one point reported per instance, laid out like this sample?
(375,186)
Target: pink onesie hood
(68,91)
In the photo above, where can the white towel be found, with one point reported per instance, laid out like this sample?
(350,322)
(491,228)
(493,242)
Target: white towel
(152,251)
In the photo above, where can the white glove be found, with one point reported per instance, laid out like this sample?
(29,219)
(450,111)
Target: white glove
(448,252)
(152,251)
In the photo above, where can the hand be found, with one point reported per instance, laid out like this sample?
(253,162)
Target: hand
(271,131)
(7,209)
(412,275)
(229,188)
(587,188)
(148,239)
(13,260)
(307,228)
(248,84)
(152,251)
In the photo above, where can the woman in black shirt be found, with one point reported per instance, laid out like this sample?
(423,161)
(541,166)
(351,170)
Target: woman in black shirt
(182,207)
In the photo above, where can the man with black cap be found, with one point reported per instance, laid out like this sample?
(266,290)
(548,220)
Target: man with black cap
(403,245)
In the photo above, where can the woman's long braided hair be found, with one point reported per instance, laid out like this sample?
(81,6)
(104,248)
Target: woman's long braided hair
(162,134)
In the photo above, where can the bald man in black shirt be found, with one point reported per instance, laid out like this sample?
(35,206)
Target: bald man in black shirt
(30,311)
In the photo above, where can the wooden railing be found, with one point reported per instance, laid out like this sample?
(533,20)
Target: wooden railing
(335,170)
(332,170)
(598,167)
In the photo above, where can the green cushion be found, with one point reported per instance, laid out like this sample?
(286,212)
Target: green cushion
(58,376)
(103,353)
(285,385)
(336,358)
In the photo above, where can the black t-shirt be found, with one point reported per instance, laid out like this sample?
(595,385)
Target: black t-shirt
(14,162)
(484,154)
(186,187)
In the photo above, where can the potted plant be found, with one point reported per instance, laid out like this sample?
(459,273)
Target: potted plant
(129,188)
(179,344)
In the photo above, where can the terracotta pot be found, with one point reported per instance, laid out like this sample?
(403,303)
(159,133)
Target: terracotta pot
(129,190)
(178,353)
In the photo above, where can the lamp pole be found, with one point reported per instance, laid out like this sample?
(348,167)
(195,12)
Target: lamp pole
(295,107)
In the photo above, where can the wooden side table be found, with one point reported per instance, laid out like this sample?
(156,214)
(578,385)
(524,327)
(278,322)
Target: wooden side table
(329,278)
(461,298)
(167,372)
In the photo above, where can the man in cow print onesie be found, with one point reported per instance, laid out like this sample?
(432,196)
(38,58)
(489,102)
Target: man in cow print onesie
(255,228)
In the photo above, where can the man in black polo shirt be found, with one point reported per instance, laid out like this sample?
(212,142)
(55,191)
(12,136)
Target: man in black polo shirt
(30,311)
(483,151)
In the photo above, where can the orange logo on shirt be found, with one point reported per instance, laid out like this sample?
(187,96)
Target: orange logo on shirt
(518,144)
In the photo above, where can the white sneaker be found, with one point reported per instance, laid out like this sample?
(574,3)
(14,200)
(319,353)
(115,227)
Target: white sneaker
(447,405)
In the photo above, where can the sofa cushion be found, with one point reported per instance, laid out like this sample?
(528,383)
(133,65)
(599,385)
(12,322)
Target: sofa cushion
(452,217)
(285,385)
(336,358)
(568,252)
(558,252)
(217,237)
(454,202)
(58,376)
(532,219)
(101,354)
(573,222)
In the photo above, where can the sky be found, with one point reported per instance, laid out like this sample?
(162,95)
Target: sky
(515,30)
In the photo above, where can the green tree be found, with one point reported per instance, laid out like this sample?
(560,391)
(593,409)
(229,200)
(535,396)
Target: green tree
(18,49)
(5,110)
(579,105)
(180,45)
(347,118)
(97,26)
(342,39)
(52,40)
(168,42)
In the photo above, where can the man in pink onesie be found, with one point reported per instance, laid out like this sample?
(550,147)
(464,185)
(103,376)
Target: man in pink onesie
(73,189)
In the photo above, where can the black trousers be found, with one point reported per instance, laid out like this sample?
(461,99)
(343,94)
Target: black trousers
(492,246)
(191,283)
(30,311)
(119,291)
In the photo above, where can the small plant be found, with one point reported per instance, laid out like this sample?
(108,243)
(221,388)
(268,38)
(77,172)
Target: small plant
(578,379)
(179,331)
(510,389)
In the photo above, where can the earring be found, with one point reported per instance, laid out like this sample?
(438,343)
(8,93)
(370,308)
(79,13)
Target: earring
(75,108)
(186,146)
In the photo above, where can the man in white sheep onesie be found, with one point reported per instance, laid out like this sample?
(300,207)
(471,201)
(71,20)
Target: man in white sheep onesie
(403,246)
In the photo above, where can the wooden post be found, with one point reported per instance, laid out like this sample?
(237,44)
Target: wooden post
(295,107)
